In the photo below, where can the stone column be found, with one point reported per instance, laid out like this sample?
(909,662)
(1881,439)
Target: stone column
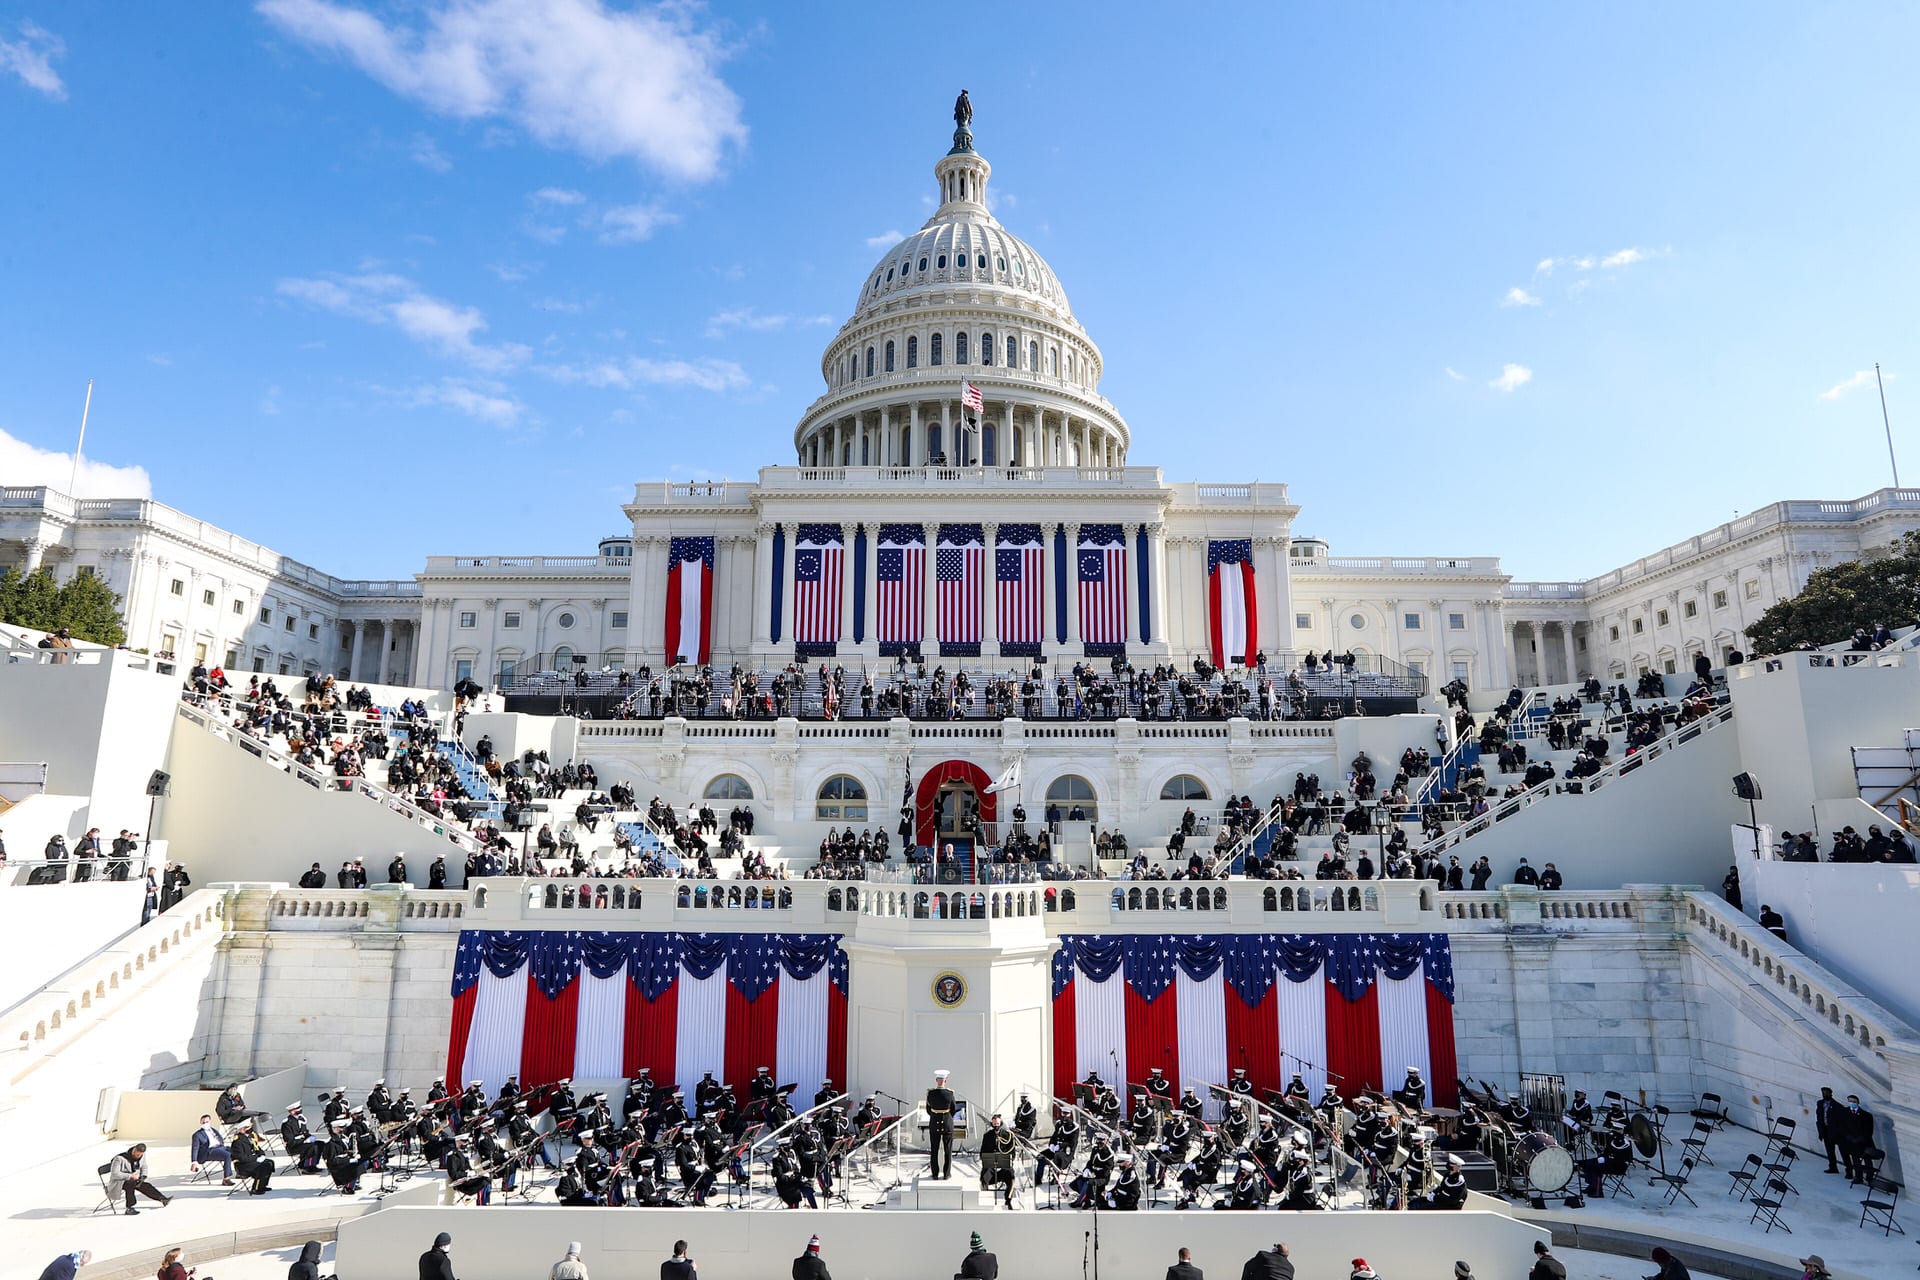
(353,661)
(1073,587)
(36,549)
(930,619)
(1130,531)
(989,605)
(873,586)
(1003,447)
(1566,643)
(947,438)
(883,456)
(762,590)
(916,448)
(786,579)
(1158,609)
(846,581)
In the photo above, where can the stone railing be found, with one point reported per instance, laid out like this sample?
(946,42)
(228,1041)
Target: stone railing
(1523,905)
(44,1020)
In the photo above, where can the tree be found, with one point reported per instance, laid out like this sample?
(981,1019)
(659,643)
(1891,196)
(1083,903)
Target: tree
(29,600)
(1843,597)
(84,606)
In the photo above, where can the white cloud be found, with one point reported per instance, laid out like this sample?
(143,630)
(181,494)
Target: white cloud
(426,153)
(885,240)
(636,371)
(556,195)
(574,74)
(160,358)
(631,223)
(1455,374)
(270,402)
(1518,297)
(746,318)
(31,58)
(29,466)
(382,298)
(1512,376)
(560,305)
(1861,378)
(488,402)
(509,272)
(1544,267)
(1624,258)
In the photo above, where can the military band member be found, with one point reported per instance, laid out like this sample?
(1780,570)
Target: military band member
(939,1106)
(298,1140)
(1297,1177)
(462,1177)
(1026,1118)
(1452,1191)
(1092,1182)
(1158,1085)
(1125,1194)
(1241,1085)
(1190,1105)
(1413,1093)
(997,1147)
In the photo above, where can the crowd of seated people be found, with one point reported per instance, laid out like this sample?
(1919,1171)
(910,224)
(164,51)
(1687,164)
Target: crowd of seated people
(844,855)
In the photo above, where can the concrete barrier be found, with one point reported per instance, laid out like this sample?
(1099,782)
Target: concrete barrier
(171,1115)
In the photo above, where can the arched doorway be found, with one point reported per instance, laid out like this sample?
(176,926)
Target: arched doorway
(942,800)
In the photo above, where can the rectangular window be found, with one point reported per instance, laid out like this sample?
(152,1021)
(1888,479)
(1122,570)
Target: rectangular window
(463,670)
(1418,668)
(1639,625)
(179,588)
(346,641)
(1719,599)
(266,615)
(1412,621)
(200,651)
(1613,633)
(511,619)
(1580,643)
(313,631)
(206,597)
(169,643)
(260,665)
(85,571)
(1690,609)
(1460,671)
(239,606)
(1669,666)
(233,658)
(507,667)
(1456,622)
(619,620)
(1753,588)
(1304,621)
(467,619)
(1660,619)
(289,622)
(283,668)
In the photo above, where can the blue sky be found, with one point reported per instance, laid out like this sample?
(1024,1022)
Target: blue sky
(371,281)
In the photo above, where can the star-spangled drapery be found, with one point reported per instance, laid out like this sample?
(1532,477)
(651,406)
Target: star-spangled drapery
(652,960)
(1350,961)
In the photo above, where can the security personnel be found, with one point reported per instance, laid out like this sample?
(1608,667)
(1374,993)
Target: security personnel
(997,1146)
(940,1126)
(1026,1118)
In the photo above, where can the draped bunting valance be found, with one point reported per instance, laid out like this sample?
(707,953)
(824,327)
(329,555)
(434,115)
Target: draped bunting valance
(555,957)
(1253,962)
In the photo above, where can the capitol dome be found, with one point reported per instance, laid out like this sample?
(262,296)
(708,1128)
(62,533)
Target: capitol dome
(962,301)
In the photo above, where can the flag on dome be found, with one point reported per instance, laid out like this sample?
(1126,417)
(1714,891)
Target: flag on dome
(959,558)
(1232,623)
(816,584)
(900,575)
(1103,588)
(1019,589)
(970,396)
(689,600)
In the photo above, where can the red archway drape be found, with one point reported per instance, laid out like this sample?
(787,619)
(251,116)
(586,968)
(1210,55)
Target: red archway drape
(938,776)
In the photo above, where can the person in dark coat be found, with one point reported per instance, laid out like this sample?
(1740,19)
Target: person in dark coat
(979,1264)
(66,1265)
(434,1263)
(679,1266)
(1184,1269)
(1671,1268)
(308,1268)
(1269,1264)
(1826,1120)
(1545,1265)
(809,1265)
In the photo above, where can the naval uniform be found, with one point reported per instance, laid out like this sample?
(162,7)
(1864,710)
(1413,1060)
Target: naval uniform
(940,1130)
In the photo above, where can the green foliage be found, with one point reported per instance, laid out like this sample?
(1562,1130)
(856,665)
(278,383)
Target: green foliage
(1842,597)
(84,605)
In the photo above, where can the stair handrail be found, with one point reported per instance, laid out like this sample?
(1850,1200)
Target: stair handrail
(1593,782)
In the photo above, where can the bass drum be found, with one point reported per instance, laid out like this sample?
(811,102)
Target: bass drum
(1547,1165)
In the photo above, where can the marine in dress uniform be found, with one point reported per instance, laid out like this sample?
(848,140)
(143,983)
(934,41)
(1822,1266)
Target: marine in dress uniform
(997,1148)
(939,1105)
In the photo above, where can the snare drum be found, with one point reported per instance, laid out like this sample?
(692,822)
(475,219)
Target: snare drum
(1546,1165)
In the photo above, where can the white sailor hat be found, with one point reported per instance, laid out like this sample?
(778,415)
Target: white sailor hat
(564,1080)
(942,1074)
(1126,1159)
(1455,1162)
(475,1084)
(340,1123)
(1156,1072)
(293,1106)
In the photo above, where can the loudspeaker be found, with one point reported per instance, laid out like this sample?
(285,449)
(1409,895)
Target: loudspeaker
(1479,1171)
(1746,786)
(159,784)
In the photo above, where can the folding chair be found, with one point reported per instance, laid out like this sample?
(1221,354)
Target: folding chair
(1694,1145)
(1781,1133)
(1712,1110)
(1883,1197)
(110,1202)
(1660,1117)
(1782,1165)
(1766,1208)
(1676,1183)
(1743,1177)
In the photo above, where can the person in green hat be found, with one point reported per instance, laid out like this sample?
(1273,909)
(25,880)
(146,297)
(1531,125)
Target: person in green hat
(979,1264)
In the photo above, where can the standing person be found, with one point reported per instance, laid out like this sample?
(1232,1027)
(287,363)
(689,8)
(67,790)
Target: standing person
(809,1266)
(1269,1264)
(434,1263)
(1545,1265)
(940,1127)
(979,1264)
(1730,886)
(1856,1139)
(1184,1269)
(1826,1122)
(679,1266)
(66,1265)
(569,1267)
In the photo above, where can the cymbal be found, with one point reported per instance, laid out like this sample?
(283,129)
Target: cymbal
(1646,1139)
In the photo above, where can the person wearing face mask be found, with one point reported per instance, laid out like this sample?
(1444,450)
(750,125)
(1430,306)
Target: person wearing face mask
(1856,1139)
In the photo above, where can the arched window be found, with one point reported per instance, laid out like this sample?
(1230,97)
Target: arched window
(913,353)
(941,262)
(869,362)
(960,348)
(933,350)
(889,275)
(1033,357)
(1070,790)
(980,261)
(1053,359)
(889,355)
(841,799)
(923,264)
(986,348)
(906,446)
(563,659)
(1013,353)
(728,786)
(1183,786)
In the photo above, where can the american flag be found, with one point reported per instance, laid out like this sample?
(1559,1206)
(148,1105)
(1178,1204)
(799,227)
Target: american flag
(901,573)
(1020,587)
(816,584)
(1103,584)
(957,565)
(970,397)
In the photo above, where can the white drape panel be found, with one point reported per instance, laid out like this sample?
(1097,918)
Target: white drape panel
(601,1026)
(1233,610)
(801,1043)
(499,1021)
(1403,1028)
(1203,1034)
(701,1028)
(692,587)
(1303,1031)
(1100,1029)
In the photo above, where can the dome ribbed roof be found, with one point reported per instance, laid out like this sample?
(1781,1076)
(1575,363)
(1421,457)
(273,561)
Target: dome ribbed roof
(962,249)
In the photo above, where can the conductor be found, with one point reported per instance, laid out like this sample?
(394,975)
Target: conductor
(940,1126)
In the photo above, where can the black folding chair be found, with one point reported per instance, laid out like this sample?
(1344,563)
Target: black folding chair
(1883,1197)
(1676,1183)
(1782,1131)
(110,1202)
(1767,1207)
(1694,1145)
(1711,1109)
(1781,1165)
(1660,1117)
(1743,1177)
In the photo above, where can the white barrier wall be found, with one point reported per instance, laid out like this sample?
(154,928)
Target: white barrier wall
(101,727)
(1855,919)
(49,928)
(502,1243)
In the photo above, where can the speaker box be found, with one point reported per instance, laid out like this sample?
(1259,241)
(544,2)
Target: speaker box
(1479,1171)
(1746,786)
(159,783)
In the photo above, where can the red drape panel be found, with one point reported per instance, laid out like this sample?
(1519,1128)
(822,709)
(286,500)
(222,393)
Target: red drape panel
(1249,583)
(837,1039)
(1215,641)
(648,1038)
(934,778)
(546,1040)
(753,1036)
(458,1031)
(1153,1036)
(1066,1052)
(671,645)
(1443,1072)
(1353,1040)
(1253,1038)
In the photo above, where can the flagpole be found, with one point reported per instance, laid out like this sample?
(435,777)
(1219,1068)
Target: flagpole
(1885,421)
(73,477)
